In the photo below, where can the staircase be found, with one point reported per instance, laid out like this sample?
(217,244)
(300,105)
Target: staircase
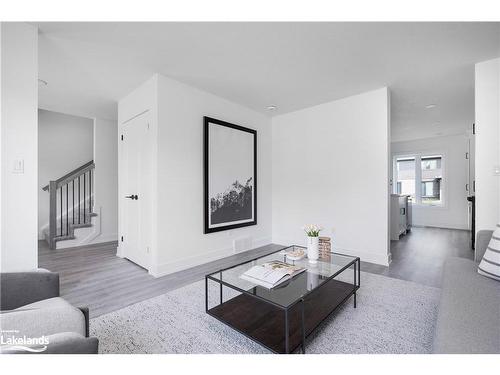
(71,204)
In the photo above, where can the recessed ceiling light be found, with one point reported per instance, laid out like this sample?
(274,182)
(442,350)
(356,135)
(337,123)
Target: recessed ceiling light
(272,108)
(429,106)
(41,82)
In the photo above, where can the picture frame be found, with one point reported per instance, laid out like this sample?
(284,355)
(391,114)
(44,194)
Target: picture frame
(230,175)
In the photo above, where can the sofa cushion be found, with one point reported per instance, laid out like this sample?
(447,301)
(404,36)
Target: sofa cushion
(490,264)
(46,303)
(20,288)
(43,318)
(469,311)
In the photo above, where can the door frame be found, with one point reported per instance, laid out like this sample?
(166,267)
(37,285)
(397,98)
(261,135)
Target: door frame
(122,123)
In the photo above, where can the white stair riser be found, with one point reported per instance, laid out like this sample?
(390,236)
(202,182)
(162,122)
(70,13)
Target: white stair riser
(82,236)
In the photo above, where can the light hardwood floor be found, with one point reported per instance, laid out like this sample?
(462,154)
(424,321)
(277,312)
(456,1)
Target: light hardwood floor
(95,277)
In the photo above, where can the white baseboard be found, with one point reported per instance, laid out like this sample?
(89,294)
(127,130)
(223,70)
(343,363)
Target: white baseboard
(105,237)
(104,243)
(441,225)
(381,257)
(199,259)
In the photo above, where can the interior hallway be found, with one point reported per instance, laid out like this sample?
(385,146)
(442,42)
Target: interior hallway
(419,256)
(94,276)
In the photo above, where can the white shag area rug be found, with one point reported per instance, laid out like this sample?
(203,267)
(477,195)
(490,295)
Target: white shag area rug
(392,316)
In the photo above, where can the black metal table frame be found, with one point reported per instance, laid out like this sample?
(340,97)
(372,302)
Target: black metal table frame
(356,262)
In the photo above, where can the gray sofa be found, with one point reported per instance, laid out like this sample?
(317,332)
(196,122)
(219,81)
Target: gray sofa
(30,306)
(469,309)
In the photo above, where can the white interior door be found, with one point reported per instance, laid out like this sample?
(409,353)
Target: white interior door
(471,175)
(136,199)
(471,160)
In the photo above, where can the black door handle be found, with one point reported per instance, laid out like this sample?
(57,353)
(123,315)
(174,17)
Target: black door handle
(132,196)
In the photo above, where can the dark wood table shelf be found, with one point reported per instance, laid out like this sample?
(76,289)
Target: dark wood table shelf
(281,319)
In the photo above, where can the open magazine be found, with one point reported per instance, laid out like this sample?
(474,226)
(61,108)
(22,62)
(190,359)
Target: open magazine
(271,274)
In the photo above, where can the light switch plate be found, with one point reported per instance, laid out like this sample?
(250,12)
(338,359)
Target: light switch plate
(18,166)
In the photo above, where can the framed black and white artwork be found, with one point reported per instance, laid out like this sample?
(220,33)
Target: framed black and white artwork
(230,173)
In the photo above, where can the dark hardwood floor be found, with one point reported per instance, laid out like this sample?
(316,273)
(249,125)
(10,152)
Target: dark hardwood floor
(419,256)
(94,276)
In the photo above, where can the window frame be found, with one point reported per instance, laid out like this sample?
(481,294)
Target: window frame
(418,177)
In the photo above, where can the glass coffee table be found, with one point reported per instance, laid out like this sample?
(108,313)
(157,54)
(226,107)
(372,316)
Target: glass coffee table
(281,318)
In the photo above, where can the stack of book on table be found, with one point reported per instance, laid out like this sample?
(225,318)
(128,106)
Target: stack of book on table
(271,274)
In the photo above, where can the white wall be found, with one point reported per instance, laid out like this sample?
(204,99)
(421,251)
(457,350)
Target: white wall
(1,147)
(487,96)
(19,137)
(106,179)
(65,142)
(454,213)
(330,167)
(181,242)
(176,114)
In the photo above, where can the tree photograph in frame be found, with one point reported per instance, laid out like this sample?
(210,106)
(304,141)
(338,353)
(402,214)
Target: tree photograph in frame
(230,175)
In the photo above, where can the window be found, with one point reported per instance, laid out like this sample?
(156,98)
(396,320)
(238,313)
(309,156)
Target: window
(431,179)
(421,177)
(406,176)
(431,162)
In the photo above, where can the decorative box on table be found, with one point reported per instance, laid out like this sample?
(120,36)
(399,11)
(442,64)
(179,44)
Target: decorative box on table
(325,247)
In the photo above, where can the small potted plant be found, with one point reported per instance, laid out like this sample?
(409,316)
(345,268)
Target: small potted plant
(312,232)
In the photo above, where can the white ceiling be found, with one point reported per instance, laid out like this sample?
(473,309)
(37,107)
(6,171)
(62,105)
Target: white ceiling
(89,66)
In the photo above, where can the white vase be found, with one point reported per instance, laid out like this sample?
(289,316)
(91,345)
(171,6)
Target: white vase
(312,249)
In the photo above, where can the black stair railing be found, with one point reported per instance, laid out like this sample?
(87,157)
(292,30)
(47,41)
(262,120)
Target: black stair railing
(65,213)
